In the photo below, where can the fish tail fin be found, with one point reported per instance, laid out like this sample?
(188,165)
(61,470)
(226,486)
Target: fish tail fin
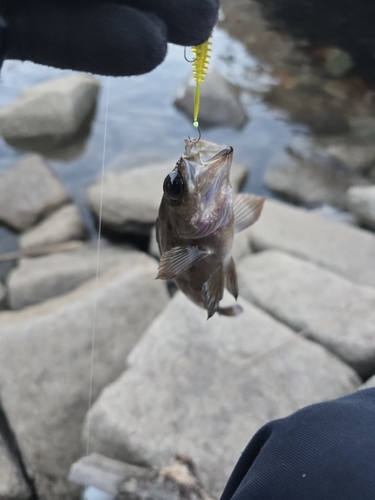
(234,310)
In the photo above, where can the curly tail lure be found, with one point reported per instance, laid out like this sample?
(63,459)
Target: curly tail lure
(201,60)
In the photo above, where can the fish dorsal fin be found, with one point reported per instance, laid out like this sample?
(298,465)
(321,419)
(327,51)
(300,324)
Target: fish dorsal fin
(231,279)
(178,260)
(213,291)
(247,209)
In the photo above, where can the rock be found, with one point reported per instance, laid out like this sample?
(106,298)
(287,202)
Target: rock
(220,102)
(131,199)
(354,155)
(45,364)
(65,224)
(28,192)
(335,215)
(187,373)
(241,246)
(361,202)
(176,481)
(8,243)
(369,383)
(51,112)
(153,248)
(3,296)
(310,183)
(317,303)
(309,105)
(39,279)
(12,483)
(336,62)
(346,250)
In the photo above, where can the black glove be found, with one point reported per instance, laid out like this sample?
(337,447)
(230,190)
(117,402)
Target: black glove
(110,37)
(322,452)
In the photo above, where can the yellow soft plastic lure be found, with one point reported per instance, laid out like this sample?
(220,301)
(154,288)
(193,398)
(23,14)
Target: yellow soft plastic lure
(202,55)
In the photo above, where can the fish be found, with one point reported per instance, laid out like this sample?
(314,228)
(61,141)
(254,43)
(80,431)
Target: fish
(198,217)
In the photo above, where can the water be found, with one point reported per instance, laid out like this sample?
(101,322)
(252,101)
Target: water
(145,127)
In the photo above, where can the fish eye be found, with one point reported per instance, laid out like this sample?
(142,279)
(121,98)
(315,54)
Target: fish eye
(174,186)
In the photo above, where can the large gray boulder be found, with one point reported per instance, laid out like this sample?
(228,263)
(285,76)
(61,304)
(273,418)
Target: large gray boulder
(309,182)
(65,224)
(202,388)
(131,199)
(344,249)
(39,279)
(45,365)
(29,191)
(221,104)
(361,202)
(315,302)
(51,111)
(12,483)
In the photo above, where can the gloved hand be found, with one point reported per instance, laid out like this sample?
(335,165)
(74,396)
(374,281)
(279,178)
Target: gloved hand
(322,452)
(110,37)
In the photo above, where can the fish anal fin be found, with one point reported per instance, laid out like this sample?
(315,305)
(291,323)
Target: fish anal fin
(247,209)
(231,278)
(178,260)
(213,291)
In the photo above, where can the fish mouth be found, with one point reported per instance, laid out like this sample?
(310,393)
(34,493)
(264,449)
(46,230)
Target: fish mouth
(228,151)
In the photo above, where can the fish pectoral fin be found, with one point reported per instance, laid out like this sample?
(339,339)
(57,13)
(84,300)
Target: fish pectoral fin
(178,260)
(213,291)
(231,278)
(247,209)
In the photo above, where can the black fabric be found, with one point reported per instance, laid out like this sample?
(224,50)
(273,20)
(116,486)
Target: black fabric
(109,37)
(3,40)
(322,452)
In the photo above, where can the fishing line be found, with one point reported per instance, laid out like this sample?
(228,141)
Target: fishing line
(97,275)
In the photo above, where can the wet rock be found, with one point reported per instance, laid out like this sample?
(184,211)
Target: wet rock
(361,202)
(131,199)
(317,303)
(51,112)
(308,104)
(8,243)
(308,182)
(29,191)
(39,279)
(354,155)
(346,250)
(220,102)
(65,224)
(46,397)
(176,386)
(176,481)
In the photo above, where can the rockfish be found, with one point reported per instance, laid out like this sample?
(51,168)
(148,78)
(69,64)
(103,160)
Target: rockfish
(198,217)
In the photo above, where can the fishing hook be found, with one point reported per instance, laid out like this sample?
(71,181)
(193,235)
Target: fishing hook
(199,136)
(186,59)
